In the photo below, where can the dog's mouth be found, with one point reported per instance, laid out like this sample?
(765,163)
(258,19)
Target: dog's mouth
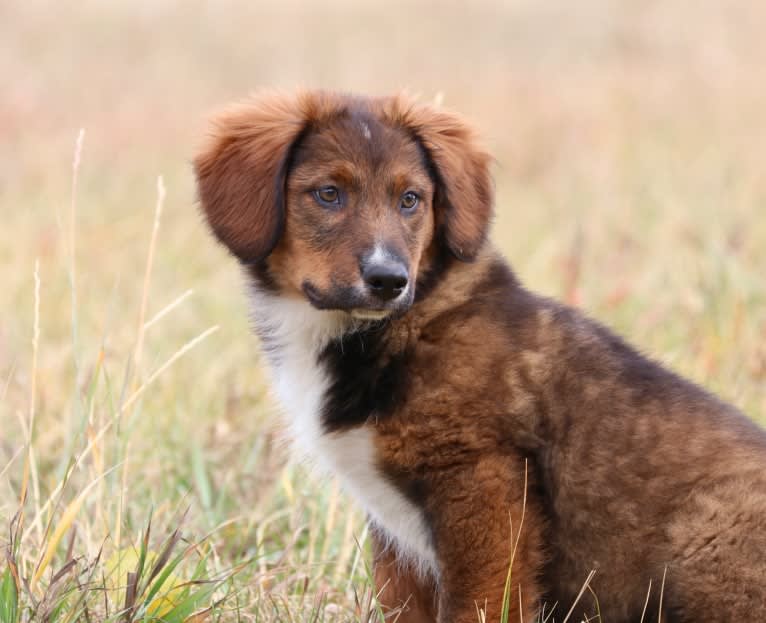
(356,303)
(370,314)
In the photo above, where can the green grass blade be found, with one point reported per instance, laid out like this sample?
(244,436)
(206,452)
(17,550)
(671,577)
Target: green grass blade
(191,603)
(9,598)
(162,577)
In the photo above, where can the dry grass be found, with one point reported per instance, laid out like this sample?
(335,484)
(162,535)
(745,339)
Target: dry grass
(630,140)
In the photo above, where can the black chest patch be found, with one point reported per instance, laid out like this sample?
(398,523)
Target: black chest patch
(365,380)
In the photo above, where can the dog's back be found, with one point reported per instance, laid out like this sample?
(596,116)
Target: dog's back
(645,477)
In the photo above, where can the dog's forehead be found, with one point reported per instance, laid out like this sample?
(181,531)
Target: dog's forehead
(361,138)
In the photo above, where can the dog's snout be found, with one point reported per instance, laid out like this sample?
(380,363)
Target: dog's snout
(386,280)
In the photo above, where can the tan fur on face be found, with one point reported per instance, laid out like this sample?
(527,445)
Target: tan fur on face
(324,246)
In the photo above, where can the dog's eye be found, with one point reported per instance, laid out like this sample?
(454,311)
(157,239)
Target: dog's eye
(327,196)
(409,201)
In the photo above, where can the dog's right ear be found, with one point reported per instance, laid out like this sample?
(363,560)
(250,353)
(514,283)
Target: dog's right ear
(464,196)
(241,172)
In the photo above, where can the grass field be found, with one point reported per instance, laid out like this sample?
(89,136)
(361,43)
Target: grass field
(630,142)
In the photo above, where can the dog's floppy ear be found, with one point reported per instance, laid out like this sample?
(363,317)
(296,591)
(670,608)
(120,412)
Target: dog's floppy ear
(464,195)
(241,172)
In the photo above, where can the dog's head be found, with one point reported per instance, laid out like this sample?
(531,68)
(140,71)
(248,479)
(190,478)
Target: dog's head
(343,200)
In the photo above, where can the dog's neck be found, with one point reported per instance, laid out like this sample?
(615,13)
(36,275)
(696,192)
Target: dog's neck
(310,349)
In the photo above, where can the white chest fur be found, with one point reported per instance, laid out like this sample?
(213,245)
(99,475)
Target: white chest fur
(294,334)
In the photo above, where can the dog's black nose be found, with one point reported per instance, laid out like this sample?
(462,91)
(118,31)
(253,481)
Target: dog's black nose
(386,280)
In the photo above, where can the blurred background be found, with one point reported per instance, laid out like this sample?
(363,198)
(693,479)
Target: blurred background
(630,141)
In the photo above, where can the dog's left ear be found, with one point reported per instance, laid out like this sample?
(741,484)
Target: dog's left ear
(464,197)
(241,172)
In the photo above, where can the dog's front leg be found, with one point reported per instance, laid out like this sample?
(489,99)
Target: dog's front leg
(481,536)
(406,596)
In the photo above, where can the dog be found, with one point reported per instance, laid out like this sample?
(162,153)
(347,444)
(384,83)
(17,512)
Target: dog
(504,446)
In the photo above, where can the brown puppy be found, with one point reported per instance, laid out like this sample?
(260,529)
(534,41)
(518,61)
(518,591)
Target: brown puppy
(451,401)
